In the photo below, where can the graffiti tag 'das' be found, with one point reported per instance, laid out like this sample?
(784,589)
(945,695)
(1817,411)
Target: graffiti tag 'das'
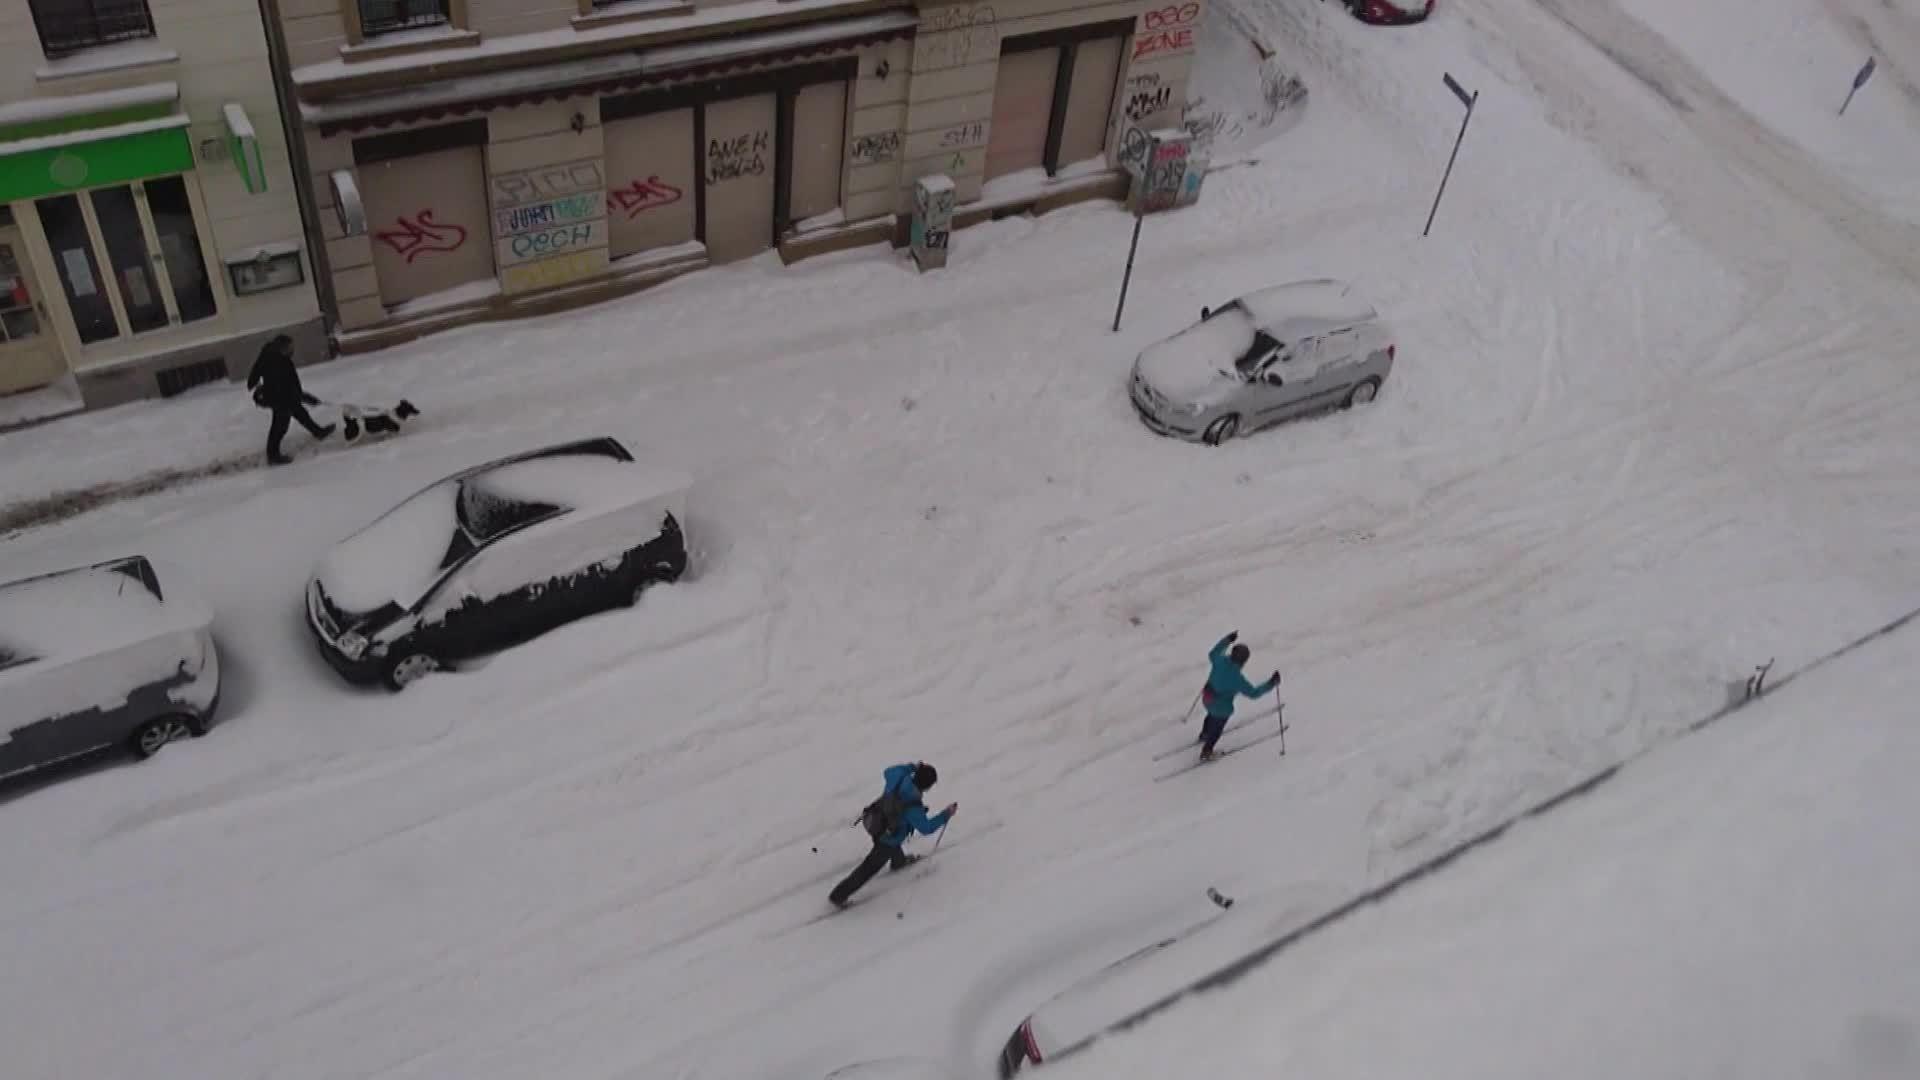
(642,195)
(421,235)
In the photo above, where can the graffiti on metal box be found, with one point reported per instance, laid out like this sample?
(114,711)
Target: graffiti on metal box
(547,182)
(421,235)
(742,155)
(873,149)
(642,195)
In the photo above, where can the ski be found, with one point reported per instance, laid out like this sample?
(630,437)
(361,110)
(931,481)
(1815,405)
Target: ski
(1218,754)
(876,888)
(1184,747)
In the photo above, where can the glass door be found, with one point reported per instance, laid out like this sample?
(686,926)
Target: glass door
(29,355)
(145,238)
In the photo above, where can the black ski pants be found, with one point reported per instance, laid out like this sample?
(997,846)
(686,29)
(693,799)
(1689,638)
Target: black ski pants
(1211,730)
(882,855)
(282,416)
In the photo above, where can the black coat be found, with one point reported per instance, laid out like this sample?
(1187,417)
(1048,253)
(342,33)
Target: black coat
(275,382)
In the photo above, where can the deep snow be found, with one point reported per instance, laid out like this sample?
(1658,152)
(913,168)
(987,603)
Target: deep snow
(1649,424)
(1740,903)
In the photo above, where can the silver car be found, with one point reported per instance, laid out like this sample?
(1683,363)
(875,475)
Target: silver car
(1266,357)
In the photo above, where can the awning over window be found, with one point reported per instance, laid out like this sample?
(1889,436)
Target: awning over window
(59,144)
(632,69)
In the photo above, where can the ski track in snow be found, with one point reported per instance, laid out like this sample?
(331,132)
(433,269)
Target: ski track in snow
(1646,430)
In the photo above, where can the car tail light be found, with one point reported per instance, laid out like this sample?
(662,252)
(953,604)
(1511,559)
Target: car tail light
(1033,1048)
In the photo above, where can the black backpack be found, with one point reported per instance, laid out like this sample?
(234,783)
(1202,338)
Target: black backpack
(886,815)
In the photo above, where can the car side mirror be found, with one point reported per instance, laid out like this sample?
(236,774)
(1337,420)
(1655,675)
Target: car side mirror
(1205,312)
(1272,378)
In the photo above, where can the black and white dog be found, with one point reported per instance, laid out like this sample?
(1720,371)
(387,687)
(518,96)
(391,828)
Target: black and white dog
(359,421)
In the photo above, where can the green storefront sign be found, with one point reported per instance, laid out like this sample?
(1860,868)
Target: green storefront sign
(117,160)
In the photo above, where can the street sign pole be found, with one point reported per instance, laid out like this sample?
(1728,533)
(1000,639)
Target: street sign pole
(1468,100)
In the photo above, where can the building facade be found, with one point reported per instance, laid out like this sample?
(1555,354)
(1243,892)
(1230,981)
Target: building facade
(150,232)
(473,159)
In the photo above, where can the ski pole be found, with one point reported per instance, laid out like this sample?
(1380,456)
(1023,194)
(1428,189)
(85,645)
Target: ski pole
(1188,715)
(1280,714)
(942,835)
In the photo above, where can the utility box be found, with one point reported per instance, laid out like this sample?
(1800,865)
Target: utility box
(1162,178)
(932,221)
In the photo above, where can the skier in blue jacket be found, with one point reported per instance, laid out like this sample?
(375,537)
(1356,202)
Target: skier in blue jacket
(896,815)
(1225,681)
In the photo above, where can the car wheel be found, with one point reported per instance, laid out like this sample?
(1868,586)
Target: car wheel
(148,739)
(409,668)
(1364,393)
(1221,430)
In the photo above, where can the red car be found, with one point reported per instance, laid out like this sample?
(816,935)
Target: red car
(1390,12)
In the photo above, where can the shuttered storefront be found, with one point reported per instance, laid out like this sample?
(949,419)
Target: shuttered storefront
(732,163)
(650,176)
(425,193)
(1053,96)
(1094,81)
(739,172)
(1022,107)
(819,152)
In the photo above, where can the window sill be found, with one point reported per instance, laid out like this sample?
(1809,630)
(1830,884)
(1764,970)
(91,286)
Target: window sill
(632,11)
(120,56)
(399,42)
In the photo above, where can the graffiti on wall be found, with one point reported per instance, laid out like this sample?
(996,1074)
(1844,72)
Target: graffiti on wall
(1167,31)
(412,237)
(876,148)
(520,219)
(641,196)
(530,246)
(1145,94)
(971,133)
(955,37)
(1134,144)
(550,272)
(742,155)
(547,182)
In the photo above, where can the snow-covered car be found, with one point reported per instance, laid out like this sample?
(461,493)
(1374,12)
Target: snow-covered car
(494,556)
(1390,12)
(1268,356)
(118,653)
(1119,992)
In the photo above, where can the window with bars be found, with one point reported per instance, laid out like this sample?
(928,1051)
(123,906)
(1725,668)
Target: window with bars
(70,26)
(386,16)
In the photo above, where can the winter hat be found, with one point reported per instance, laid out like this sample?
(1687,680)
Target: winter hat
(1240,654)
(925,776)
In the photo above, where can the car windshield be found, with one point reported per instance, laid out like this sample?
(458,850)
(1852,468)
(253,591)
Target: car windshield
(397,559)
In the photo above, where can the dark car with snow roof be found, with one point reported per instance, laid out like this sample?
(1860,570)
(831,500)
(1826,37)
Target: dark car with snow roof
(494,556)
(112,654)
(1390,12)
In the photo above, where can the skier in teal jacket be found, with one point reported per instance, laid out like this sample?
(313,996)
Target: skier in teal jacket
(905,786)
(1226,681)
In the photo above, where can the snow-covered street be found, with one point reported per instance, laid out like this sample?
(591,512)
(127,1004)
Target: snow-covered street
(1651,424)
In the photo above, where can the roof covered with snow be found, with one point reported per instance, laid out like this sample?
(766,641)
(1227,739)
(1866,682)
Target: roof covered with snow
(1306,307)
(88,611)
(399,557)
